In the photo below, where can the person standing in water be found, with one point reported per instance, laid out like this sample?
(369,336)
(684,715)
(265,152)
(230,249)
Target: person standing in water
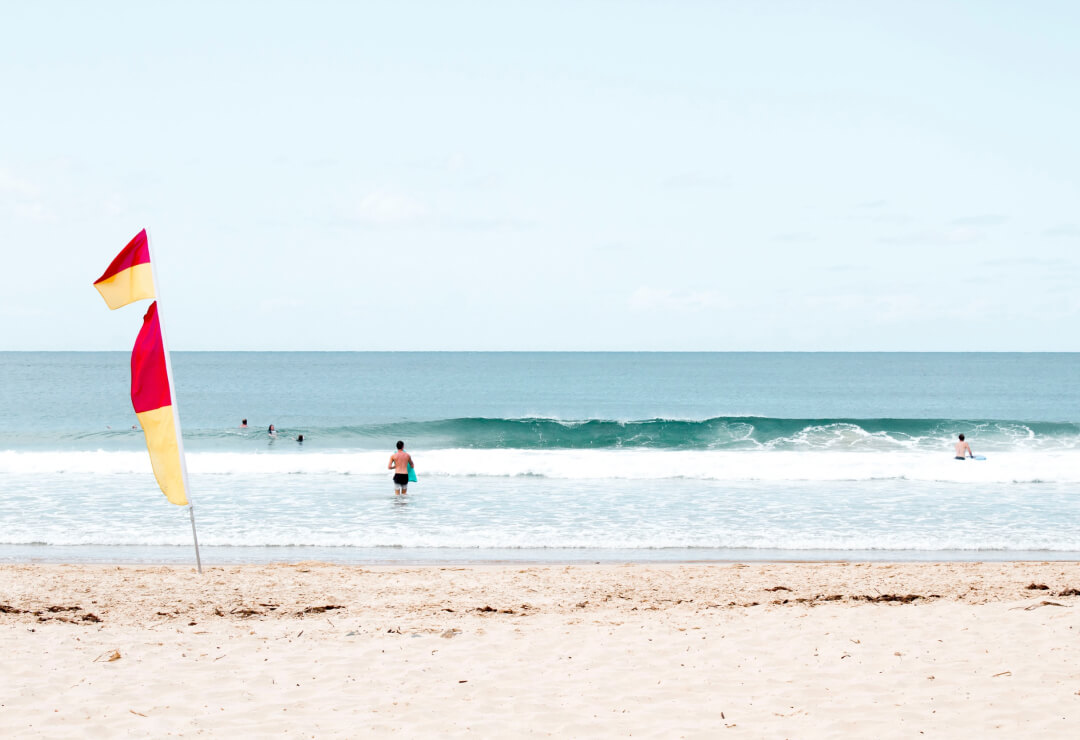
(399,463)
(962,447)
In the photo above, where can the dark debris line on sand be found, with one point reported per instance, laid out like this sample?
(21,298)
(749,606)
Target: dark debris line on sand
(41,614)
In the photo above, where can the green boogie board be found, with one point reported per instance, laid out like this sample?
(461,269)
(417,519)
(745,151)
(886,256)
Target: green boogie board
(412,474)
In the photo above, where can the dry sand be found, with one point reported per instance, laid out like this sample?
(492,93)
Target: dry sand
(715,650)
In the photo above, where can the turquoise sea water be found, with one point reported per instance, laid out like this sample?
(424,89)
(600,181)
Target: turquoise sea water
(550,456)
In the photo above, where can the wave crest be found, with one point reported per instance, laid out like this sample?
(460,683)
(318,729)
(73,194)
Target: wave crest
(529,433)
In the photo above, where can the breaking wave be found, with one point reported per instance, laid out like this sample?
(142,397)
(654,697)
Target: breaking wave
(718,433)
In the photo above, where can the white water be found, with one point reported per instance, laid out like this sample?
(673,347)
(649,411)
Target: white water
(635,464)
(487,514)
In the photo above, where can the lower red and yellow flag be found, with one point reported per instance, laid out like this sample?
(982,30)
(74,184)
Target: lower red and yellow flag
(152,399)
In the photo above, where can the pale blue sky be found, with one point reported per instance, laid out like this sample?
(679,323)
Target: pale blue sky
(582,175)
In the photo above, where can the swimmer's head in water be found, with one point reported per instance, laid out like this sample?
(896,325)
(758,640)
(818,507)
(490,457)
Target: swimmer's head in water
(400,445)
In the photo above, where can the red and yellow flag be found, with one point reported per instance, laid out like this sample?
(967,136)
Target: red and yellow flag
(152,399)
(129,277)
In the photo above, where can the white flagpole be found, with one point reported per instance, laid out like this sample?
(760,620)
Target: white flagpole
(175,405)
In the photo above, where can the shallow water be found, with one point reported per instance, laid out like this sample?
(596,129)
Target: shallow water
(551,456)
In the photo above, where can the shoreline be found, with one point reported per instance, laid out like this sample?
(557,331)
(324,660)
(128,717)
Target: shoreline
(347,556)
(674,650)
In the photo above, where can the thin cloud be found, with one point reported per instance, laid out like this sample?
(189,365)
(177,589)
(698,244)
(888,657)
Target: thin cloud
(115,205)
(987,219)
(898,240)
(614,246)
(1056,263)
(21,198)
(795,237)
(693,181)
(452,162)
(276,305)
(689,301)
(392,209)
(12,185)
(1069,231)
(894,307)
(480,223)
(894,219)
(384,208)
(957,235)
(873,210)
(488,181)
(961,235)
(32,211)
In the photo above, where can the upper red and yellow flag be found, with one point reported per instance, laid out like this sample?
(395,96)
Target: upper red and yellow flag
(129,277)
(152,399)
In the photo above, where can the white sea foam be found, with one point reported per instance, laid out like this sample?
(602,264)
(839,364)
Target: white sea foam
(466,541)
(633,464)
(628,537)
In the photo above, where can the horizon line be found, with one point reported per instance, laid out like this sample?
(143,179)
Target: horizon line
(582,351)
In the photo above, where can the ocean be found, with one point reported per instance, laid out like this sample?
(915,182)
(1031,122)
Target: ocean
(550,457)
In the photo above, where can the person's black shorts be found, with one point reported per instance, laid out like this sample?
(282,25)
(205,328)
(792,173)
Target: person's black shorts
(401,479)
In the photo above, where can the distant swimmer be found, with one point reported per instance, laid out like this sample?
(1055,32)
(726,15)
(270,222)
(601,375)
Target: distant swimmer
(243,423)
(400,462)
(271,431)
(300,438)
(962,447)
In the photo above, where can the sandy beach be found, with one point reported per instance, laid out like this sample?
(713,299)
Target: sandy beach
(699,650)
